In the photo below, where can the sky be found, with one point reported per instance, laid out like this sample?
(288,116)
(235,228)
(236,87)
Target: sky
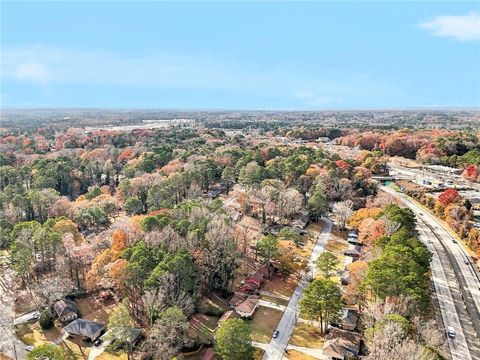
(240,55)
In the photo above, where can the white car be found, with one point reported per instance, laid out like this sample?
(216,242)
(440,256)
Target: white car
(451,332)
(29,347)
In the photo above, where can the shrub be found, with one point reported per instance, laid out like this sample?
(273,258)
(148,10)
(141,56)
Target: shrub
(46,319)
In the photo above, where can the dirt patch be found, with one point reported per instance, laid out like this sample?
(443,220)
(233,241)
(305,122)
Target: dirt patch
(264,323)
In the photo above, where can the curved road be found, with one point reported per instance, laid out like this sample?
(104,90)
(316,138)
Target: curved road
(455,279)
(276,348)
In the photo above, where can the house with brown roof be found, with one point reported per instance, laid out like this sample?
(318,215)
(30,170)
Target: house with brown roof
(230,314)
(248,307)
(237,299)
(65,310)
(341,344)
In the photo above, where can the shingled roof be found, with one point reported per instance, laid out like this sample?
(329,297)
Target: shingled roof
(84,328)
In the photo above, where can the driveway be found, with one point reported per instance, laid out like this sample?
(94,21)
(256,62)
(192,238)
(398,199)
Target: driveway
(276,348)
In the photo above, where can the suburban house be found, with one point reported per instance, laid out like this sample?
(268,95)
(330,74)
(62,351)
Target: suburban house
(86,329)
(353,251)
(248,306)
(65,310)
(237,299)
(348,320)
(341,344)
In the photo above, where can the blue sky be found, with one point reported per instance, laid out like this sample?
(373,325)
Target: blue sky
(240,55)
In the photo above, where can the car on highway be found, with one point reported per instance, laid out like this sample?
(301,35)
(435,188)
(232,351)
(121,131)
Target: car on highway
(466,262)
(451,332)
(275,334)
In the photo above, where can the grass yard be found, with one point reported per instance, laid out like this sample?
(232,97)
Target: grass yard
(258,354)
(202,327)
(92,311)
(337,244)
(274,299)
(32,334)
(264,323)
(296,355)
(213,304)
(306,335)
(107,356)
(278,286)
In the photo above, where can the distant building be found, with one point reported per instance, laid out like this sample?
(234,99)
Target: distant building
(65,310)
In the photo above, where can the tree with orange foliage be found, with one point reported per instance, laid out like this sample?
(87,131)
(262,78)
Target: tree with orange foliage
(370,230)
(362,214)
(357,272)
(119,241)
(118,274)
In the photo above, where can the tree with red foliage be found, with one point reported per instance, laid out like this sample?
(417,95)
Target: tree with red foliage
(471,173)
(448,196)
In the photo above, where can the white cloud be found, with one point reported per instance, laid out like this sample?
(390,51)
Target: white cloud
(51,66)
(34,72)
(463,27)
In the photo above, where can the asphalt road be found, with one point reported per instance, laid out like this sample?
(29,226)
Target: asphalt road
(456,283)
(9,343)
(276,348)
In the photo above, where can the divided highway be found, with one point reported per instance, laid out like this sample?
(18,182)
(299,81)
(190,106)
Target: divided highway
(456,281)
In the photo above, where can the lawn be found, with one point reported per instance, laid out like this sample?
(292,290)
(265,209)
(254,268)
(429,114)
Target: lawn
(92,311)
(213,304)
(285,287)
(274,299)
(306,335)
(337,244)
(32,334)
(296,355)
(264,323)
(202,327)
(258,354)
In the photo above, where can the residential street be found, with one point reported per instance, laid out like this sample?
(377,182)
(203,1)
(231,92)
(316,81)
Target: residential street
(454,281)
(9,343)
(276,348)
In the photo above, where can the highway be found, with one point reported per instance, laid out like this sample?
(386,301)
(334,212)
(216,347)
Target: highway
(276,348)
(455,279)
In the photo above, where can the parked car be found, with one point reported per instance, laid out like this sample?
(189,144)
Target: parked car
(275,334)
(98,342)
(451,332)
(29,347)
